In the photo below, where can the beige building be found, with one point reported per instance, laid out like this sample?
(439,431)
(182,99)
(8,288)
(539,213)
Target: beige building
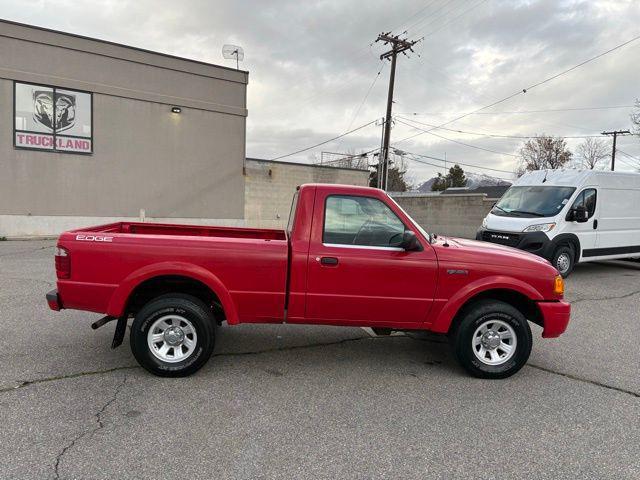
(269,187)
(94,132)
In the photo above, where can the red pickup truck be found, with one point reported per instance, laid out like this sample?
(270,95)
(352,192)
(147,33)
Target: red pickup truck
(349,256)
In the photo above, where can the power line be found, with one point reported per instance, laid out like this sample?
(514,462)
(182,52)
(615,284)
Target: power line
(494,135)
(459,163)
(583,63)
(627,155)
(325,142)
(432,17)
(456,141)
(521,111)
(628,164)
(413,15)
(530,87)
(355,116)
(455,18)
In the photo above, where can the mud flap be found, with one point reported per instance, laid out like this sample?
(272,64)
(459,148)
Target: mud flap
(118,335)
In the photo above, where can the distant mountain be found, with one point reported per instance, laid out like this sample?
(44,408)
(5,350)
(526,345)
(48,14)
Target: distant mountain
(474,180)
(425,187)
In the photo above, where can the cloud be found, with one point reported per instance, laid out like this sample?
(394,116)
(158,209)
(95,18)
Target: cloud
(311,64)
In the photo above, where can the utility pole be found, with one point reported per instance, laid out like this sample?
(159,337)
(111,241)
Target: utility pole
(398,45)
(615,134)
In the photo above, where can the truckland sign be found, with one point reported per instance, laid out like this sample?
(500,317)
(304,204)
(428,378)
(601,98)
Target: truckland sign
(52,119)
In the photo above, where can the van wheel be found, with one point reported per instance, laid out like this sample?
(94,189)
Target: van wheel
(492,340)
(564,260)
(173,335)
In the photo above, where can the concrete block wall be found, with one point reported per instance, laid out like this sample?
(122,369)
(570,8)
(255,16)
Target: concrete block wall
(453,215)
(270,185)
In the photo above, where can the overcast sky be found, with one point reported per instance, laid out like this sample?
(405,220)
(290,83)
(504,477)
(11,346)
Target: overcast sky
(312,63)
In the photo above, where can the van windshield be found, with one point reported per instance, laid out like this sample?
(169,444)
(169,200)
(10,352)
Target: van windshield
(537,201)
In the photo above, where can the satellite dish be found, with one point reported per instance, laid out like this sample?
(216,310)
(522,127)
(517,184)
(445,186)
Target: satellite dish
(233,51)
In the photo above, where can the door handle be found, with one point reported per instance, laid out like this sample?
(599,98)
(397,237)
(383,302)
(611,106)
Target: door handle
(329,261)
(595,224)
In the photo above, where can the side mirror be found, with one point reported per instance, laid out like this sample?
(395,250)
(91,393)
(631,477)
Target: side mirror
(580,214)
(410,242)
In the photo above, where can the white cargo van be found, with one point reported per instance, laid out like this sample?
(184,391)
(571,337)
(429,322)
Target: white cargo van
(569,216)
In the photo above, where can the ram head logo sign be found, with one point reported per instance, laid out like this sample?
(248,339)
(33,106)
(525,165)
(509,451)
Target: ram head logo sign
(62,115)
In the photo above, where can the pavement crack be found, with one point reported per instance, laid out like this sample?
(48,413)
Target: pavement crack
(600,299)
(293,347)
(100,425)
(585,380)
(27,383)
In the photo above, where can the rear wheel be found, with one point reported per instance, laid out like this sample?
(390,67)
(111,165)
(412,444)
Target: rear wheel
(492,340)
(173,335)
(563,259)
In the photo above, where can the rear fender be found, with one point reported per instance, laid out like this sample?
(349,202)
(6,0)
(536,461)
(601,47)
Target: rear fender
(119,298)
(497,282)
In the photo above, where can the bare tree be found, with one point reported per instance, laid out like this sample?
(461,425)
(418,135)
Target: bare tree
(592,152)
(349,159)
(543,152)
(635,118)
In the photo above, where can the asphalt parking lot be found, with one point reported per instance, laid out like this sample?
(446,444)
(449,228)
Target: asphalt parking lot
(316,402)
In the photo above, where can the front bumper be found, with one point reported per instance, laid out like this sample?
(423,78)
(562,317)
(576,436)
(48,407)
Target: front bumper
(555,318)
(533,242)
(53,299)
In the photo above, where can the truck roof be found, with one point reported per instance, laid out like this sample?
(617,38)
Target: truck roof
(343,188)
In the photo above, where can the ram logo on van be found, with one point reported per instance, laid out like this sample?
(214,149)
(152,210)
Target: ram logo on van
(94,238)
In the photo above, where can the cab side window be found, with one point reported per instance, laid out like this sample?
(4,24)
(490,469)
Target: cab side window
(366,221)
(586,199)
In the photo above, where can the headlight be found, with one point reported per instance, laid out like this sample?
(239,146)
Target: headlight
(541,227)
(484,222)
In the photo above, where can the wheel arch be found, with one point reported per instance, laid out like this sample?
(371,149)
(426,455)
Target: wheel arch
(517,300)
(512,291)
(155,280)
(568,239)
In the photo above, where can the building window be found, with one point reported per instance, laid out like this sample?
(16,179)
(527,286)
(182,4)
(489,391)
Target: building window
(52,119)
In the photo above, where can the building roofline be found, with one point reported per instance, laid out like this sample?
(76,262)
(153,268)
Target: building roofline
(307,164)
(121,45)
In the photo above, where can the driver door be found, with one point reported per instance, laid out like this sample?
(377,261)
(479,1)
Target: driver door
(357,274)
(587,232)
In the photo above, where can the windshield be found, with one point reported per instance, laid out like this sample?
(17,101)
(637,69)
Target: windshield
(537,201)
(422,230)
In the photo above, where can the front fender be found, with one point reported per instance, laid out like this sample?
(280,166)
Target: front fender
(496,282)
(119,299)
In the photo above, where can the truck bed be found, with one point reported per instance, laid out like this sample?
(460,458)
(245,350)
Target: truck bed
(140,228)
(251,264)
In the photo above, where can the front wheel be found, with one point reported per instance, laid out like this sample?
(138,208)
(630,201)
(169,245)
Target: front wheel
(563,259)
(492,340)
(173,335)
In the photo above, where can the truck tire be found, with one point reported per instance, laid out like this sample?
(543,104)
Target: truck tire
(564,260)
(173,335)
(492,339)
